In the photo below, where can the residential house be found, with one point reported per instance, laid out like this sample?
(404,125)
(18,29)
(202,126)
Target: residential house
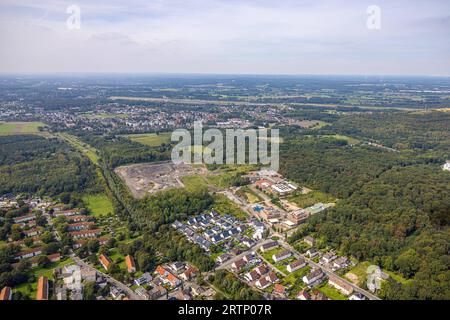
(223,257)
(24,218)
(72,277)
(172,280)
(177,266)
(104,261)
(309,241)
(340,284)
(328,257)
(190,273)
(28,253)
(272,277)
(357,296)
(157,291)
(281,256)
(238,265)
(42,289)
(145,278)
(77,218)
(340,263)
(6,294)
(262,283)
(279,290)
(85,234)
(116,293)
(261,270)
(311,253)
(303,295)
(252,276)
(77,226)
(31,233)
(318,295)
(269,246)
(298,264)
(129,261)
(313,277)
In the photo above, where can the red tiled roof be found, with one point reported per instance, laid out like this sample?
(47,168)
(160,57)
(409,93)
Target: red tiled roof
(5,293)
(104,260)
(130,263)
(83,232)
(161,270)
(42,289)
(278,288)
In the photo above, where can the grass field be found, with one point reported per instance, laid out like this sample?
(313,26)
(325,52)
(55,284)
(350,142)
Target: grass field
(11,128)
(309,199)
(350,140)
(98,204)
(84,148)
(194,183)
(150,139)
(224,205)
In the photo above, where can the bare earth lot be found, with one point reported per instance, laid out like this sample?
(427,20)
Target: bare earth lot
(147,178)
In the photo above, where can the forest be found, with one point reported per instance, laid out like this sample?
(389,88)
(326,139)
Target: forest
(34,164)
(393,207)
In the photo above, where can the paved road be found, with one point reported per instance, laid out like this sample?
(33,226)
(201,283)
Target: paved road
(120,285)
(329,271)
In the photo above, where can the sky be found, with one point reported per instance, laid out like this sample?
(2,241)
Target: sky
(226,36)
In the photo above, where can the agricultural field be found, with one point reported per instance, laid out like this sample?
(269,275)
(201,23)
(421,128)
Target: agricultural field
(150,139)
(98,204)
(11,128)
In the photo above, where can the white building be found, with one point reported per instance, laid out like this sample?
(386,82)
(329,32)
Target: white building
(446,166)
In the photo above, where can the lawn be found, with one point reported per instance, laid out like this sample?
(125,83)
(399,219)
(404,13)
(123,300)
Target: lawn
(268,254)
(309,199)
(350,140)
(118,258)
(98,204)
(360,270)
(11,128)
(150,139)
(194,183)
(331,293)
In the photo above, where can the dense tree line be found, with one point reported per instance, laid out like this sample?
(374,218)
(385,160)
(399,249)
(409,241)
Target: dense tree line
(400,130)
(233,287)
(116,150)
(33,164)
(394,207)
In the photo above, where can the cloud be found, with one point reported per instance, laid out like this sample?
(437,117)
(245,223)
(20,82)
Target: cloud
(225,36)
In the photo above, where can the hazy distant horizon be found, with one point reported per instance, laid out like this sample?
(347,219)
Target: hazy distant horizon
(254,37)
(206,74)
